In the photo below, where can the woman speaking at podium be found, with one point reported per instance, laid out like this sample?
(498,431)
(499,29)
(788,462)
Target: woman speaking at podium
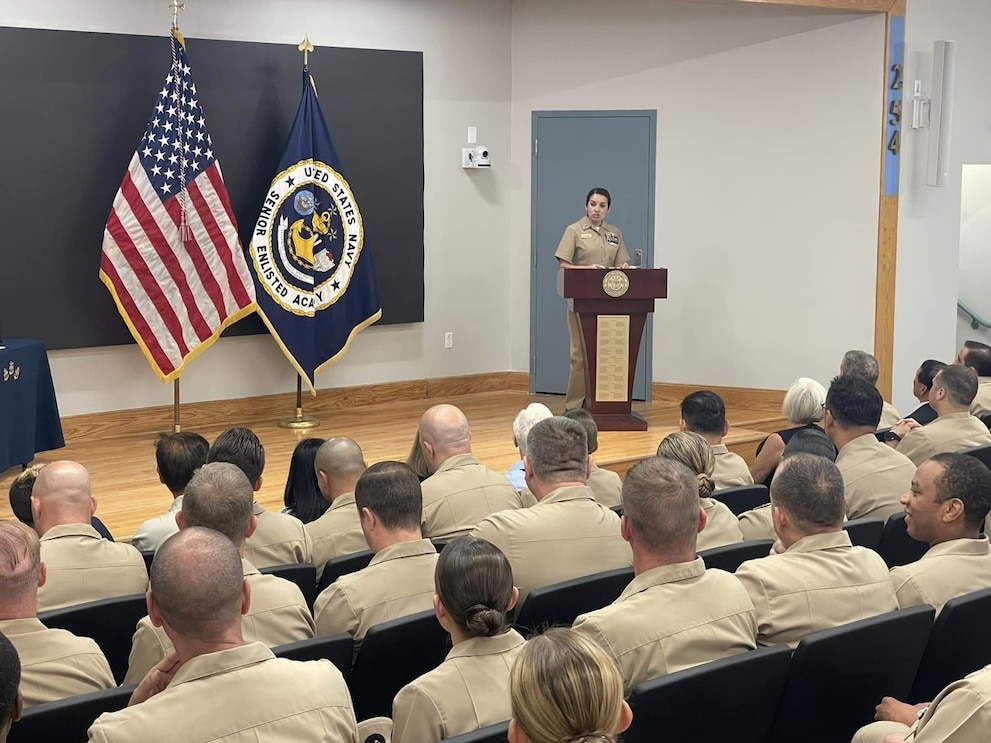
(588,243)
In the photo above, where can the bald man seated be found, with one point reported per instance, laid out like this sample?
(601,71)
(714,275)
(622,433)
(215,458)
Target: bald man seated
(55,664)
(82,566)
(219,497)
(338,464)
(215,686)
(460,491)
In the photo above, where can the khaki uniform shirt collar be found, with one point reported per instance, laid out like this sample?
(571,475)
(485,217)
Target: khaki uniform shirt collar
(342,500)
(572,492)
(176,504)
(679,571)
(257,509)
(953,416)
(222,661)
(404,549)
(816,542)
(27,625)
(71,530)
(864,443)
(476,646)
(719,448)
(458,460)
(248,568)
(976,547)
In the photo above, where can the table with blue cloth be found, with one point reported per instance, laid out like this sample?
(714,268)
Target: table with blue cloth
(29,420)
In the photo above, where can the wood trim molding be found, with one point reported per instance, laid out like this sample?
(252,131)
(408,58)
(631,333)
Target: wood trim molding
(858,6)
(737,397)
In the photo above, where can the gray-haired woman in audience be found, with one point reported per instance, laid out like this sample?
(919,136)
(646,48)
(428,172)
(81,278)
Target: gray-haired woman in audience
(802,407)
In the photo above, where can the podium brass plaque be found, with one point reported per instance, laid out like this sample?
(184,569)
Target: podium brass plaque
(612,359)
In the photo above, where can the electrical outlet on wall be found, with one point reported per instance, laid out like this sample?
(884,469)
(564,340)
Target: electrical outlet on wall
(448,340)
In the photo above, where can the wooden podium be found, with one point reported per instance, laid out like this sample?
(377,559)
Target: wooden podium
(612,306)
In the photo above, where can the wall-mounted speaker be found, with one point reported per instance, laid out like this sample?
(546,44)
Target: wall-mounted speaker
(941,113)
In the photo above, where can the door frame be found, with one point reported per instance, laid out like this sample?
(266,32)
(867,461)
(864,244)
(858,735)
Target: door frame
(647,342)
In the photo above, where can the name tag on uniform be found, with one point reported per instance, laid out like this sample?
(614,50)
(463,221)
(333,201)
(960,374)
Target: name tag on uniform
(587,236)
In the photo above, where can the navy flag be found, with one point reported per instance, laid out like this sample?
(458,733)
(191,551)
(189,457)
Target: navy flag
(315,281)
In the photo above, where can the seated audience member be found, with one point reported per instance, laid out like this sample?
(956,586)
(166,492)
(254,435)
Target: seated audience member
(864,366)
(921,387)
(954,428)
(721,525)
(959,714)
(675,614)
(338,465)
(416,461)
(526,419)
(10,683)
(977,356)
(606,485)
(470,689)
(215,685)
(567,533)
(219,497)
(704,413)
(802,407)
(20,500)
(946,506)
(55,664)
(818,579)
(177,457)
(279,539)
(461,491)
(302,497)
(875,476)
(400,578)
(565,688)
(81,565)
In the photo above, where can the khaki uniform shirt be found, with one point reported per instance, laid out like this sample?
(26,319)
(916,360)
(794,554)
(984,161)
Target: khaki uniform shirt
(468,691)
(336,533)
(83,567)
(153,532)
(757,523)
(243,695)
(606,486)
(889,415)
(721,528)
(397,582)
(279,539)
(821,581)
(982,401)
(585,245)
(672,618)
(566,535)
(961,713)
(875,477)
(461,493)
(731,470)
(947,570)
(56,664)
(948,433)
(276,615)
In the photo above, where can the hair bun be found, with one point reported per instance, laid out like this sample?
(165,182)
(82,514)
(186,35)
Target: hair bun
(706,484)
(484,621)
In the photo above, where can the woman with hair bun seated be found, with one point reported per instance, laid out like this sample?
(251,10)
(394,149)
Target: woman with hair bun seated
(470,689)
(802,407)
(693,451)
(566,689)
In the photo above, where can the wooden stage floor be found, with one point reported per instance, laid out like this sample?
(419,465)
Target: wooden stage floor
(128,492)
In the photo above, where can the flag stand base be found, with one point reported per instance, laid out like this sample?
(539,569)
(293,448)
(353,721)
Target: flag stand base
(300,422)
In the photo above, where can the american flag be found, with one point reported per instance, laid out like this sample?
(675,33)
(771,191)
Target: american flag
(171,255)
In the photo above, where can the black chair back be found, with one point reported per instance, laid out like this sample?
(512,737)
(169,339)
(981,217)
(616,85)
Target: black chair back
(302,574)
(498,733)
(110,622)
(981,453)
(618,510)
(149,558)
(743,498)
(731,556)
(865,532)
(839,675)
(338,566)
(67,720)
(730,699)
(562,603)
(897,547)
(986,419)
(439,544)
(338,649)
(960,644)
(393,654)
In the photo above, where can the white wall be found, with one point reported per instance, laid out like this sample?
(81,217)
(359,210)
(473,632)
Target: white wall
(768,162)
(975,251)
(466,82)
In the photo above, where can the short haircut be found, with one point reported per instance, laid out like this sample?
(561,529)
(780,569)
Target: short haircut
(10,679)
(391,490)
(474,582)
(694,452)
(178,456)
(241,447)
(20,560)
(854,402)
(586,421)
(978,358)
(196,581)
(704,412)
(558,450)
(968,479)
(20,494)
(526,419)
(860,364)
(960,383)
(219,497)
(810,490)
(661,503)
(928,370)
(810,441)
(803,401)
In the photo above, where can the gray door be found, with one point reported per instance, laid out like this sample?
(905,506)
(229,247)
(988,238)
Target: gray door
(573,152)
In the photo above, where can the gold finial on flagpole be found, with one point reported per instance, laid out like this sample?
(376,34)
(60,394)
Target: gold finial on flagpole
(175,6)
(306,46)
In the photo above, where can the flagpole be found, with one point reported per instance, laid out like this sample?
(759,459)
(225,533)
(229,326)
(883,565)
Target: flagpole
(300,421)
(176,425)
